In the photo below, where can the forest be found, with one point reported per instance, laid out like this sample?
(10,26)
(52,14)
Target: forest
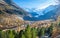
(29,32)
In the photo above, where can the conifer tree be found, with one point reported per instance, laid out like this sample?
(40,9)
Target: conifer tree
(21,34)
(0,33)
(41,32)
(50,30)
(28,32)
(10,34)
(34,32)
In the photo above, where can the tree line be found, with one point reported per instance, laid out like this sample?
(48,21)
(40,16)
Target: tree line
(27,33)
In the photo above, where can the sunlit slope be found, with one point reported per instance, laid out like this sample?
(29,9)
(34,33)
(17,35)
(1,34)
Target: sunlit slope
(10,14)
(9,6)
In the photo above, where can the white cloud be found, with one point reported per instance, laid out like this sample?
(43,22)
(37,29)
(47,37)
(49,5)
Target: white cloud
(44,5)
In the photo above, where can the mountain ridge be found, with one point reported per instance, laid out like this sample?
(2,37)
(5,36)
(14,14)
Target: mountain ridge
(11,15)
(9,5)
(48,13)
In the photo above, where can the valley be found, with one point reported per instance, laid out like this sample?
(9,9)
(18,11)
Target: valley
(38,23)
(12,16)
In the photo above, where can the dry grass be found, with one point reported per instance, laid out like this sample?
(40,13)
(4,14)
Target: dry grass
(10,20)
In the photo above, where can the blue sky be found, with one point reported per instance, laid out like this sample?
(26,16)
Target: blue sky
(39,4)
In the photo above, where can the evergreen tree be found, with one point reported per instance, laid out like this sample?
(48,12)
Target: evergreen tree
(16,34)
(41,32)
(59,24)
(3,34)
(10,34)
(34,32)
(28,32)
(50,30)
(21,34)
(0,33)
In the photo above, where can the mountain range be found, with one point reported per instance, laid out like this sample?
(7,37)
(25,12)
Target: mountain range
(50,12)
(8,7)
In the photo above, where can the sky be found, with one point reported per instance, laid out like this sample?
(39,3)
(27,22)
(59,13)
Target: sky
(36,4)
(39,4)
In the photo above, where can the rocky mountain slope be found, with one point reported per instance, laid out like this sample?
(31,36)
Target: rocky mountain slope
(9,6)
(51,12)
(10,14)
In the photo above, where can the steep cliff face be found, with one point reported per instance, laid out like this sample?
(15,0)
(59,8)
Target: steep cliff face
(9,6)
(10,14)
